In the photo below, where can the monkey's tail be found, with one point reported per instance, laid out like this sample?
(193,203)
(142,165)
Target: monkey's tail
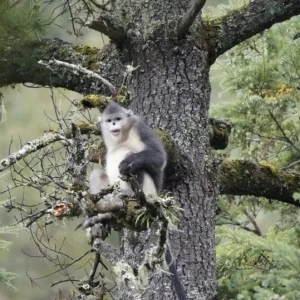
(180,292)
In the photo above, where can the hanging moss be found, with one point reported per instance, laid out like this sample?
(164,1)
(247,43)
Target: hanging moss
(93,101)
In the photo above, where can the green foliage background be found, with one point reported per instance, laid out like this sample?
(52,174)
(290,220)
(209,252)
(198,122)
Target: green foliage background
(21,19)
(258,253)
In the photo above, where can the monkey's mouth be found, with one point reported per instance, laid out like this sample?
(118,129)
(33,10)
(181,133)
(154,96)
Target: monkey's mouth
(115,132)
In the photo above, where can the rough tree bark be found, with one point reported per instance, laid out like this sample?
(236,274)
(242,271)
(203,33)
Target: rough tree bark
(173,51)
(167,87)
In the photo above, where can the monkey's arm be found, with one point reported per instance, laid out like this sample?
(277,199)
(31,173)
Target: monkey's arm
(152,159)
(148,160)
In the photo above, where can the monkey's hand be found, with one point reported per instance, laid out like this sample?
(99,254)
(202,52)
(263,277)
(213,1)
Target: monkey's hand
(129,166)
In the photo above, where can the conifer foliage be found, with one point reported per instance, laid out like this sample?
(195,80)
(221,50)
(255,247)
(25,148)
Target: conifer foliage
(258,255)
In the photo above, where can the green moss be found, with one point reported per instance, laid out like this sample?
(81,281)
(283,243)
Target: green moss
(211,21)
(122,97)
(129,220)
(93,100)
(131,216)
(91,53)
(100,101)
(96,153)
(168,144)
(86,50)
(232,165)
(274,169)
(85,127)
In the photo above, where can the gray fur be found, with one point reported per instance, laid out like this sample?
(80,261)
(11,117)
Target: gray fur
(134,147)
(137,149)
(98,181)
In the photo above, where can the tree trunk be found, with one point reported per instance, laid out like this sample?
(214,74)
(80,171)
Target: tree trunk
(171,89)
(172,49)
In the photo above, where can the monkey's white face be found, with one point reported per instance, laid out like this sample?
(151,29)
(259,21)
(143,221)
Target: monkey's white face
(115,126)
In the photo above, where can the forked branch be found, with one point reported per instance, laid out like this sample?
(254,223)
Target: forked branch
(189,17)
(109,25)
(29,148)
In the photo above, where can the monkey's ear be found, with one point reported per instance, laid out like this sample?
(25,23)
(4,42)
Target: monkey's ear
(99,120)
(130,113)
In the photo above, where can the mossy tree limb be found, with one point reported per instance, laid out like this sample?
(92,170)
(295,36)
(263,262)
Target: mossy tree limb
(249,20)
(240,177)
(19,64)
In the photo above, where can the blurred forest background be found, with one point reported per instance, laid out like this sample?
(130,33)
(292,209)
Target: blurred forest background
(258,77)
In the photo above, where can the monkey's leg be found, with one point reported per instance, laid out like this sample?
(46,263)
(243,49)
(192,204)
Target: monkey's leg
(98,181)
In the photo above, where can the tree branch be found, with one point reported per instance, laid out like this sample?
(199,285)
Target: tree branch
(241,24)
(284,136)
(110,26)
(189,17)
(77,68)
(30,147)
(19,64)
(239,177)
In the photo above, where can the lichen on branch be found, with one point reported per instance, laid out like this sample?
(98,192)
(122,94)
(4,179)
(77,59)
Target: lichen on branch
(240,177)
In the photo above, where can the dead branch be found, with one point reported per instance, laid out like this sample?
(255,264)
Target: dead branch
(77,68)
(189,17)
(109,25)
(31,147)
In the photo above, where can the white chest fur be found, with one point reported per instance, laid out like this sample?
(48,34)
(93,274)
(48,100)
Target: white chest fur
(116,154)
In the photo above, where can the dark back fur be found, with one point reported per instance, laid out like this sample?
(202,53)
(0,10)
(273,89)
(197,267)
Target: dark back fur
(153,155)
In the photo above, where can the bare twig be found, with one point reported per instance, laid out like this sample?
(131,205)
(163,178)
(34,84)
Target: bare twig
(34,217)
(253,222)
(189,17)
(286,138)
(239,224)
(30,147)
(77,68)
(104,191)
(296,36)
(97,261)
(291,165)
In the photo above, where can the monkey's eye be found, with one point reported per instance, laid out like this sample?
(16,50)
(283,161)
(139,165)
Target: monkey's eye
(118,119)
(108,120)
